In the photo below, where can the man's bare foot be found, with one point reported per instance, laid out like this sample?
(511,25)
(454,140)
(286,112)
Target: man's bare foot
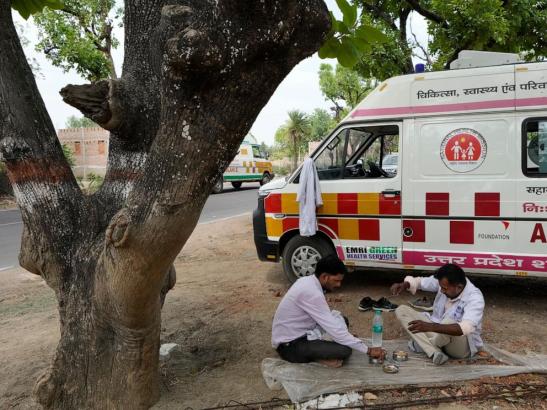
(331,363)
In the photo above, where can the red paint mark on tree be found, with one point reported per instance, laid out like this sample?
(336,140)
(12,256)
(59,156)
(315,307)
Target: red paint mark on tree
(38,170)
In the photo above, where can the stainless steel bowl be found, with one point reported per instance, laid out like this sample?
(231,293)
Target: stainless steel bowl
(390,368)
(400,355)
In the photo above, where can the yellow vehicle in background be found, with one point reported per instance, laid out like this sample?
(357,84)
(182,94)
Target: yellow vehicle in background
(249,165)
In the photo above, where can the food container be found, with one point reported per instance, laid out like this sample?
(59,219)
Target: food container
(390,368)
(400,355)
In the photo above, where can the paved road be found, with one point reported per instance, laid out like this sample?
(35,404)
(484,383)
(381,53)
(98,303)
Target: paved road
(224,205)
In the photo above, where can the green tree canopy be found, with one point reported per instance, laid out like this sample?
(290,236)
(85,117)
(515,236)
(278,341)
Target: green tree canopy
(515,26)
(293,136)
(344,87)
(79,122)
(321,123)
(80,36)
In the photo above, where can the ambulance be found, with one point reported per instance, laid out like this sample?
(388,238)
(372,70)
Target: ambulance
(470,186)
(249,165)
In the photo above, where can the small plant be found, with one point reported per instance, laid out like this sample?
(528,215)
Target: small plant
(69,155)
(95,182)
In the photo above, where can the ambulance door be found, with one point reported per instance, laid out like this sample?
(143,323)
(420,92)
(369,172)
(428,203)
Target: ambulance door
(461,207)
(531,142)
(361,201)
(531,244)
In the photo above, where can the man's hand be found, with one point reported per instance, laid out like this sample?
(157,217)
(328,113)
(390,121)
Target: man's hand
(397,288)
(376,352)
(418,326)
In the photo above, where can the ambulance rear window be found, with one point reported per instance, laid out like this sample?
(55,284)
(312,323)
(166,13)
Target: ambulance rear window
(534,147)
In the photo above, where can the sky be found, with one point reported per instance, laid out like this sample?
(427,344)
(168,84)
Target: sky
(300,89)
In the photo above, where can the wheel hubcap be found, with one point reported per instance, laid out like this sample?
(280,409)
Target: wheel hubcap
(303,261)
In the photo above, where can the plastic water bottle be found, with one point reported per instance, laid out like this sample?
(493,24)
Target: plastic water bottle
(377,329)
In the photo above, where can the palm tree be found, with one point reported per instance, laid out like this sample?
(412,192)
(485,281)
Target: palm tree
(297,128)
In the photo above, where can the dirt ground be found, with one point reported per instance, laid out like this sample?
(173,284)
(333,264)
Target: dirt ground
(220,313)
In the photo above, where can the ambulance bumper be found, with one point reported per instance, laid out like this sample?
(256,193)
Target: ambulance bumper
(266,250)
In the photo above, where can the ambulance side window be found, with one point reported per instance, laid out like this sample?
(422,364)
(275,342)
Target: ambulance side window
(256,152)
(534,147)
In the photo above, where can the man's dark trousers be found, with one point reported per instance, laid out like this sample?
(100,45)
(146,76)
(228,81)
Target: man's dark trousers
(302,350)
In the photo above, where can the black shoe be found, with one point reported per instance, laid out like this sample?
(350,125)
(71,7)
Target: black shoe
(384,305)
(366,304)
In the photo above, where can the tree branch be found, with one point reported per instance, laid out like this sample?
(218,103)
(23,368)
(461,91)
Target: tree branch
(428,14)
(44,186)
(209,72)
(97,101)
(427,57)
(378,13)
(403,17)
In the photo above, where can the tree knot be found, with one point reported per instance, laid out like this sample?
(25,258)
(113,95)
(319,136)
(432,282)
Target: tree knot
(45,389)
(237,33)
(118,230)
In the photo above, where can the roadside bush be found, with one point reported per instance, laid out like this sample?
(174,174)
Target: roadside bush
(281,170)
(95,182)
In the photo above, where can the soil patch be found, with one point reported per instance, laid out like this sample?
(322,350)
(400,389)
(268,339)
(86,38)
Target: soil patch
(220,314)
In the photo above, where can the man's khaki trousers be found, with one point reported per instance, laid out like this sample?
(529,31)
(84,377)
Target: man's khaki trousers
(456,347)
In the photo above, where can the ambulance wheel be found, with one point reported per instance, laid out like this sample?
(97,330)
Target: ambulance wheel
(301,254)
(237,184)
(218,187)
(265,178)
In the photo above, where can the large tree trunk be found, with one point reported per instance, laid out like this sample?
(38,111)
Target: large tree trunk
(195,77)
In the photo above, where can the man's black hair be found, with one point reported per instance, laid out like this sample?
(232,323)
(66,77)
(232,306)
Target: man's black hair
(331,265)
(453,274)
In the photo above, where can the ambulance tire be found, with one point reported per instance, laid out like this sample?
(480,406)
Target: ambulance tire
(218,187)
(265,178)
(237,184)
(301,254)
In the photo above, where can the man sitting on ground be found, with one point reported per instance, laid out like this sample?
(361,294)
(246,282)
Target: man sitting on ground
(303,308)
(453,330)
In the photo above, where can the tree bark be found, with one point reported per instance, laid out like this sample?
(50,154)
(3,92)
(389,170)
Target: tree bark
(195,77)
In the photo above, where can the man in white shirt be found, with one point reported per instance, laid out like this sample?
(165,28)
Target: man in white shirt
(453,329)
(303,308)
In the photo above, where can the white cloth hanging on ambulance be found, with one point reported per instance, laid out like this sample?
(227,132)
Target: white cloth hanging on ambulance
(309,198)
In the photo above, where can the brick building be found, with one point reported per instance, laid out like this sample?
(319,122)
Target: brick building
(90,148)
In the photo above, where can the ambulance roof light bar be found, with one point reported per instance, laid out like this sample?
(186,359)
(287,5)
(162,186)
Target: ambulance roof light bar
(472,58)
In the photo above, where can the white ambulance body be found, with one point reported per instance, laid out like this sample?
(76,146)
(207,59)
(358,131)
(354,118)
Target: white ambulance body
(249,165)
(470,187)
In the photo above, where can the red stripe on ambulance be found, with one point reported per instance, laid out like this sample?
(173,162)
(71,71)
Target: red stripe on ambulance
(369,229)
(272,204)
(347,203)
(413,230)
(437,203)
(462,232)
(487,204)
